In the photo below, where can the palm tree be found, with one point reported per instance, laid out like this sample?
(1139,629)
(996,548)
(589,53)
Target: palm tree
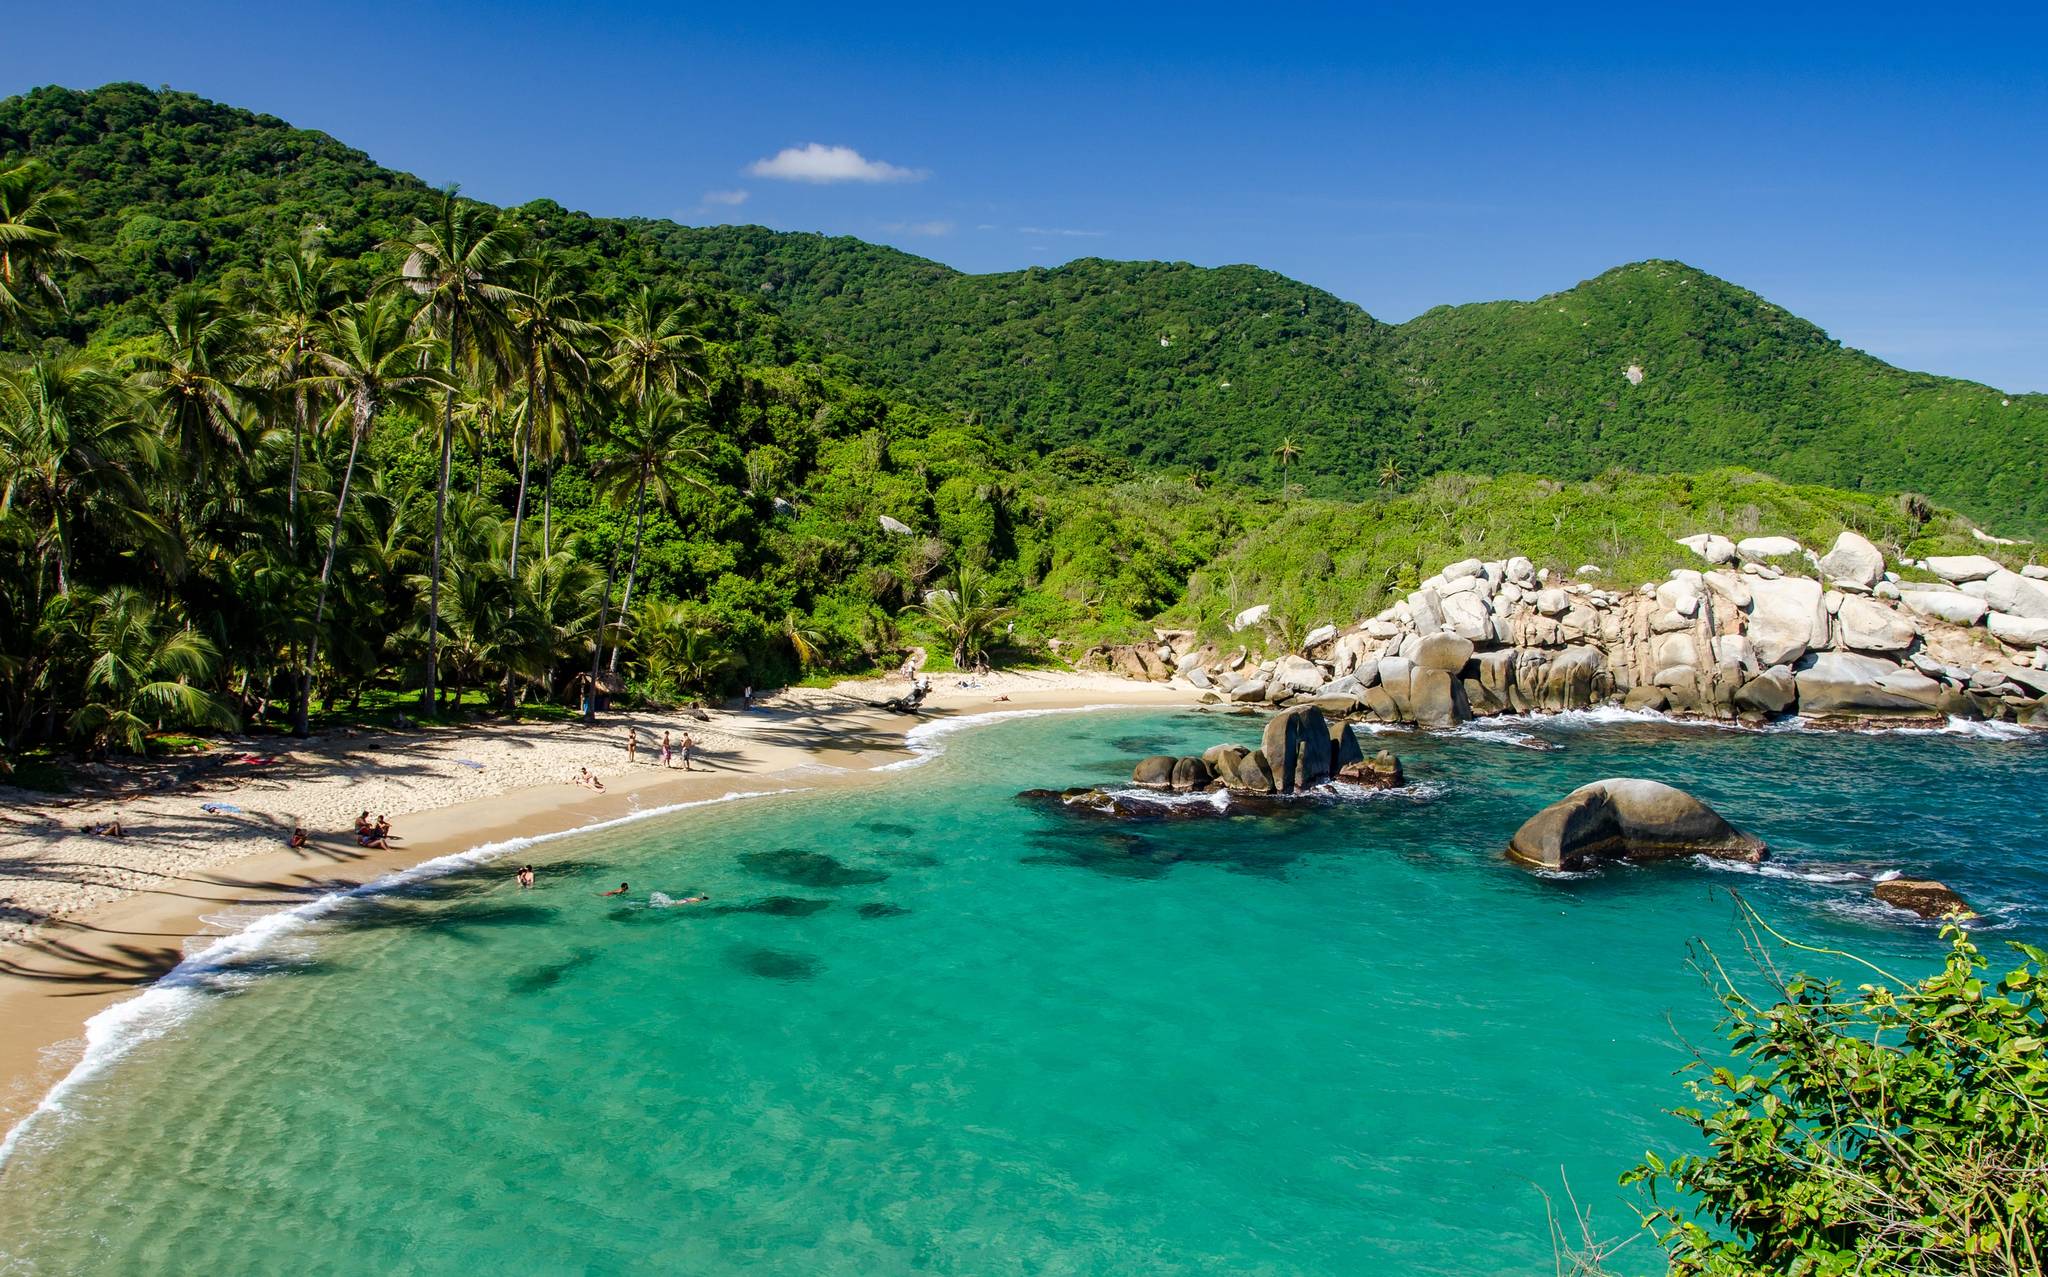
(458,264)
(299,293)
(1391,475)
(548,317)
(654,453)
(370,360)
(72,440)
(804,643)
(1287,452)
(139,667)
(201,378)
(965,613)
(35,242)
(653,348)
(677,650)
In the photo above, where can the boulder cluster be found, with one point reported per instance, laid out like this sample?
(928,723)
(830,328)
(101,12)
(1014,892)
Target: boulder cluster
(1625,818)
(1746,636)
(1300,750)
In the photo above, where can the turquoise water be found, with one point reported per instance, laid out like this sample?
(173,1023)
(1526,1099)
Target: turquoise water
(923,1027)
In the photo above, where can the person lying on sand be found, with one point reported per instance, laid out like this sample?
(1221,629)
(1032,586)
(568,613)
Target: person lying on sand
(298,838)
(110,829)
(588,781)
(623,888)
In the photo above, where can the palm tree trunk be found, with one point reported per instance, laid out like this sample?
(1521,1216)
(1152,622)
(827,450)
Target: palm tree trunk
(440,523)
(547,511)
(291,495)
(519,503)
(301,710)
(597,650)
(633,567)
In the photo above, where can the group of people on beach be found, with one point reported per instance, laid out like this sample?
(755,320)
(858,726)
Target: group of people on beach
(374,834)
(670,748)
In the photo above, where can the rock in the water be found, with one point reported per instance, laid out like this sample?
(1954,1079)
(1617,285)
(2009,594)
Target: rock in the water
(1628,819)
(1155,772)
(1771,692)
(1870,626)
(1344,750)
(1845,683)
(1853,559)
(1924,896)
(1296,744)
(1253,773)
(1957,568)
(1653,699)
(1381,771)
(1191,774)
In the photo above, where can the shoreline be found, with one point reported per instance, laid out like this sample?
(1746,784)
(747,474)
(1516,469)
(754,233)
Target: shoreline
(70,968)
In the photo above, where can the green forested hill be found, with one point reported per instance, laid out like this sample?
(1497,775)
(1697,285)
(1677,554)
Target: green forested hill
(1157,366)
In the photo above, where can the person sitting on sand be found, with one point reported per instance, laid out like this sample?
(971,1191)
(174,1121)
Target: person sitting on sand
(298,838)
(384,836)
(373,837)
(588,781)
(623,888)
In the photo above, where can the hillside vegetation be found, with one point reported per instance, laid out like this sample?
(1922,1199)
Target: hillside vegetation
(1162,366)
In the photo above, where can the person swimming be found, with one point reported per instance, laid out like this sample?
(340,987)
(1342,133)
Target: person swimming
(623,889)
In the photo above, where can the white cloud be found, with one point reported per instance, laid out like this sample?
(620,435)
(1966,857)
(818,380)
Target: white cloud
(730,199)
(815,162)
(918,228)
(1059,230)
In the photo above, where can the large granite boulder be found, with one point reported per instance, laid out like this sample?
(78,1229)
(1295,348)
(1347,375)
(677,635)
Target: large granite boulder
(1869,626)
(2012,594)
(1786,618)
(1447,652)
(1953,606)
(1845,683)
(2017,631)
(1298,674)
(1957,568)
(1623,818)
(1757,549)
(1155,772)
(1296,744)
(1771,692)
(1924,896)
(1344,749)
(1854,559)
(1712,548)
(1190,775)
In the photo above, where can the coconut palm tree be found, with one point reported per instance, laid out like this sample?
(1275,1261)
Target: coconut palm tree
(142,673)
(1391,475)
(73,444)
(1287,451)
(548,318)
(369,360)
(298,295)
(460,265)
(965,613)
(677,650)
(35,243)
(654,347)
(201,375)
(655,451)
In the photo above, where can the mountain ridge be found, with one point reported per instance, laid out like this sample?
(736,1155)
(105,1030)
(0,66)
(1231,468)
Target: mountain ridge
(1144,366)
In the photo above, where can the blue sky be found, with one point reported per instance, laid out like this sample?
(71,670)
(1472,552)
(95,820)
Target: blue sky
(1879,169)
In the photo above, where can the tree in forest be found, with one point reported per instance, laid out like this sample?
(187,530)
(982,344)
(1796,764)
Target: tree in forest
(298,295)
(460,265)
(965,613)
(35,244)
(655,448)
(201,376)
(552,335)
(75,450)
(371,359)
(1288,451)
(144,673)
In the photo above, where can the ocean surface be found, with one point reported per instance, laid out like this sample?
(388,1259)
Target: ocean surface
(923,1027)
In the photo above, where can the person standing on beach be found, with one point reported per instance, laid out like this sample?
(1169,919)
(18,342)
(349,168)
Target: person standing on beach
(632,745)
(747,697)
(667,753)
(689,748)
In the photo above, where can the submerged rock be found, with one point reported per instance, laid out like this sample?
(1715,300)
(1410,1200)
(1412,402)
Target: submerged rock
(1624,818)
(1924,896)
(808,868)
(1381,771)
